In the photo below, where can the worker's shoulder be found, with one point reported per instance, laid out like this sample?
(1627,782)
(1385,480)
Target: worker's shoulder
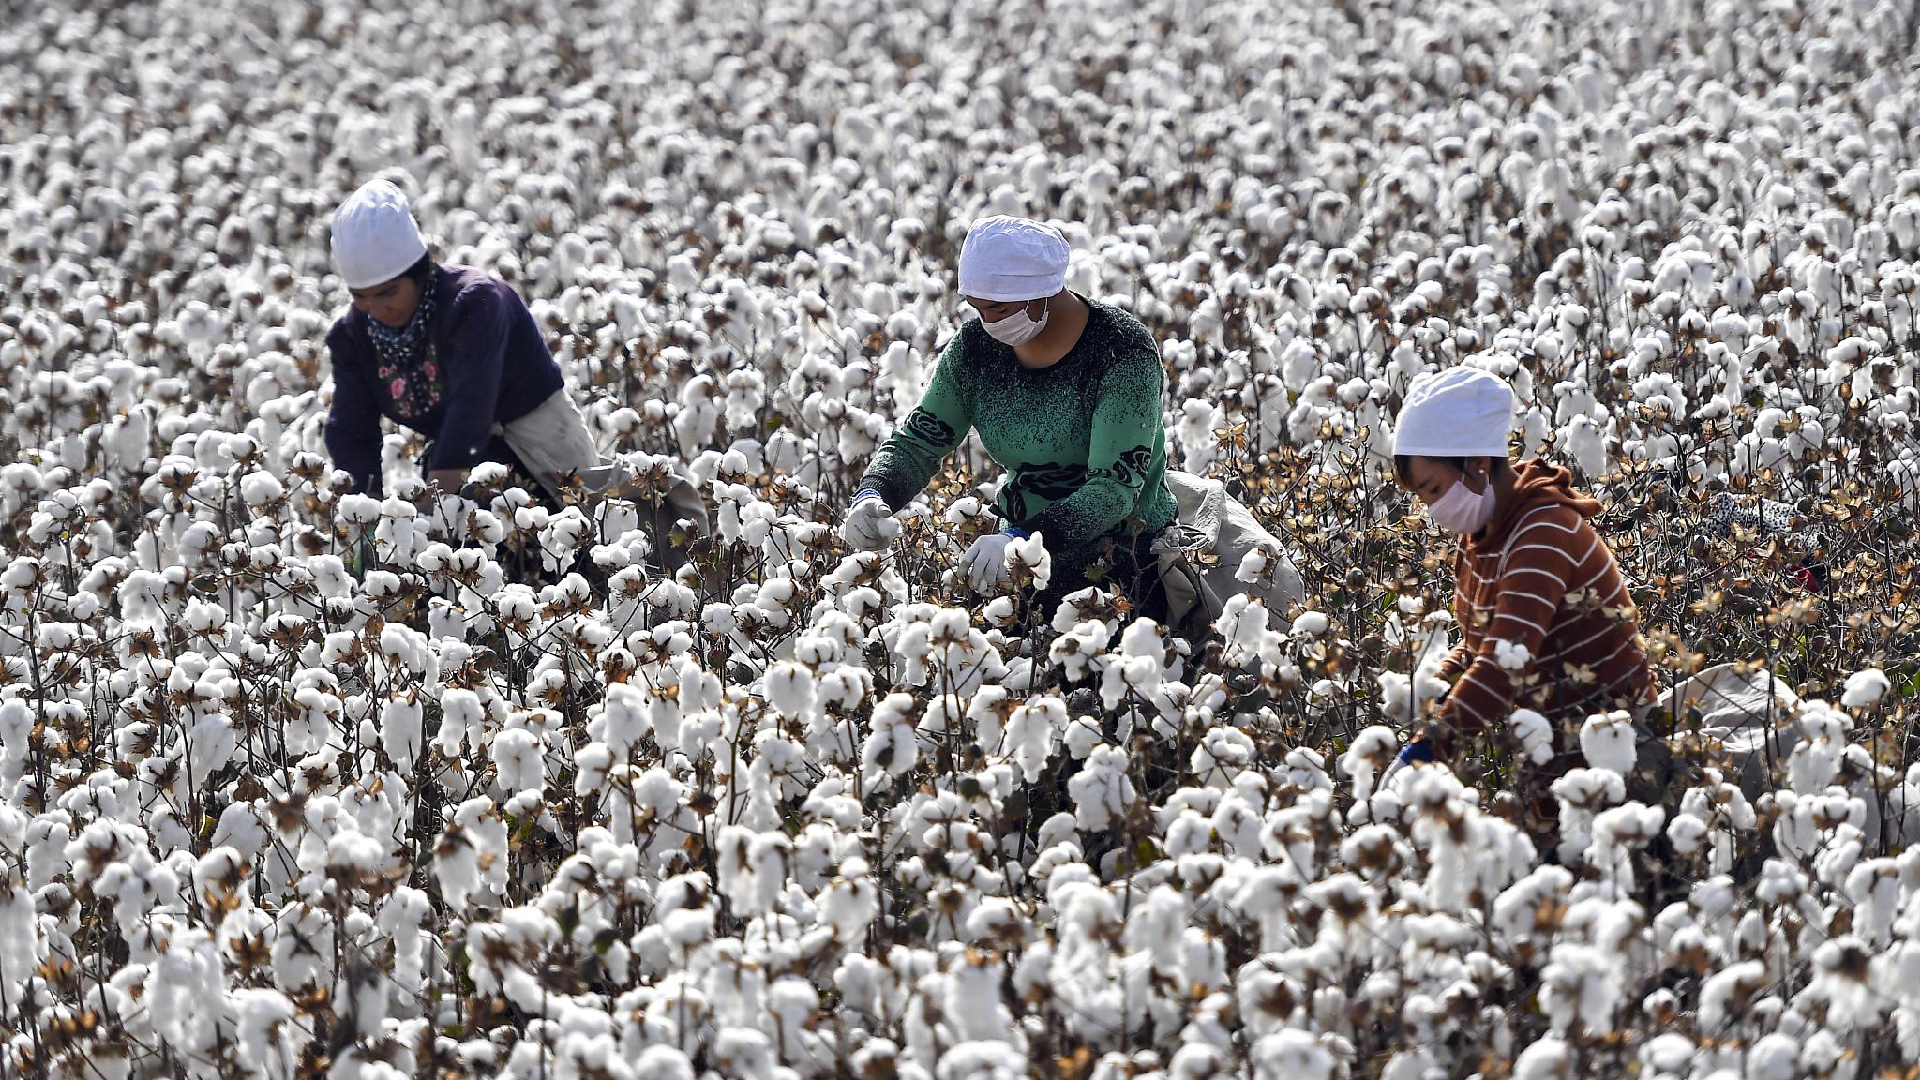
(346,338)
(461,284)
(1127,359)
(1554,524)
(1123,332)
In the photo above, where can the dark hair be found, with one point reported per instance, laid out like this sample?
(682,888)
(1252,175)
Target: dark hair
(1403,466)
(421,270)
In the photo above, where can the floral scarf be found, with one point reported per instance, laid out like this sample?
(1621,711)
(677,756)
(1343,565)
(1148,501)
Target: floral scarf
(409,368)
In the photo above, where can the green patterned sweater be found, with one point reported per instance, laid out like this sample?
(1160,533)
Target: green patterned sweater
(1083,441)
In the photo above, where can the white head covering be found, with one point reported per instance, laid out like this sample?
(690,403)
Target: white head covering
(375,238)
(1009,258)
(1459,412)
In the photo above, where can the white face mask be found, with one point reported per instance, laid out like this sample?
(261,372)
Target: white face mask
(1462,509)
(1017,328)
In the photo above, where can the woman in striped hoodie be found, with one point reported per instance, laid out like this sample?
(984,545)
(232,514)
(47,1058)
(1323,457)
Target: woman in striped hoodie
(1546,622)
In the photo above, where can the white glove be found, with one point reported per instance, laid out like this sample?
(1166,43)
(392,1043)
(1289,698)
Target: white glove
(869,525)
(985,563)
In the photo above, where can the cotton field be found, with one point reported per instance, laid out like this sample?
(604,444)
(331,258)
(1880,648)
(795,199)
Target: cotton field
(736,803)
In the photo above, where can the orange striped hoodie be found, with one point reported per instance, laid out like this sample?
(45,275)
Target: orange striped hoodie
(1539,577)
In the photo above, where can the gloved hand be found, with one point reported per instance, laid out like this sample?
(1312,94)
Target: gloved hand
(985,562)
(869,525)
(1417,750)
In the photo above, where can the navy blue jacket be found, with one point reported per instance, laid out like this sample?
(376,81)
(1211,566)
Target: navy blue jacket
(495,362)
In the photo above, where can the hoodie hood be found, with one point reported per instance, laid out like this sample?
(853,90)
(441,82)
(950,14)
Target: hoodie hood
(1535,484)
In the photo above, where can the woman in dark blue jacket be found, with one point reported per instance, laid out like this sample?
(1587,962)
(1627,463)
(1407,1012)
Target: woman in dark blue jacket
(449,351)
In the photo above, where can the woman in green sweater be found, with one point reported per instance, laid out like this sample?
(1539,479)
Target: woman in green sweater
(1068,396)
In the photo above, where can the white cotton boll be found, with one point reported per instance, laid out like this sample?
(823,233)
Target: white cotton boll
(1223,753)
(212,742)
(403,917)
(1615,833)
(1310,624)
(791,689)
(1580,990)
(1101,791)
(1725,990)
(1582,441)
(1031,553)
(973,1002)
(1775,1056)
(1534,733)
(594,764)
(401,721)
(1292,1054)
(1298,364)
(1669,1053)
(1156,928)
(1370,753)
(1130,677)
(471,856)
(625,719)
(1252,565)
(999,611)
(1077,650)
(1814,764)
(663,1063)
(518,756)
(1865,688)
(20,944)
(1840,986)
(1687,833)
(260,489)
(1033,730)
(461,716)
(337,647)
(981,1061)
(1396,695)
(178,989)
(1548,1059)
(1511,655)
(1607,740)
(851,901)
(1582,793)
(203,618)
(45,839)
(268,1032)
(16,725)
(357,510)
(1874,887)
(892,746)
(1413,1064)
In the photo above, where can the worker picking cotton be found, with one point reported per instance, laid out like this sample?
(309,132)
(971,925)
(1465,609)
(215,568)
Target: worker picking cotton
(449,351)
(1066,395)
(1546,621)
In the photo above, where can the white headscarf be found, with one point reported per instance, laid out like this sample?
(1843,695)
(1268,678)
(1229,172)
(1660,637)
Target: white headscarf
(1009,258)
(375,238)
(1459,412)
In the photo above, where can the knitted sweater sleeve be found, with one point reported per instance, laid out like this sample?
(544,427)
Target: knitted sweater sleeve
(477,339)
(1532,583)
(353,421)
(900,469)
(1455,663)
(1127,429)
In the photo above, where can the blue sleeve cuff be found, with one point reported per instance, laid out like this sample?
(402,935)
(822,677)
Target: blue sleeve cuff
(864,494)
(1416,751)
(1015,531)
